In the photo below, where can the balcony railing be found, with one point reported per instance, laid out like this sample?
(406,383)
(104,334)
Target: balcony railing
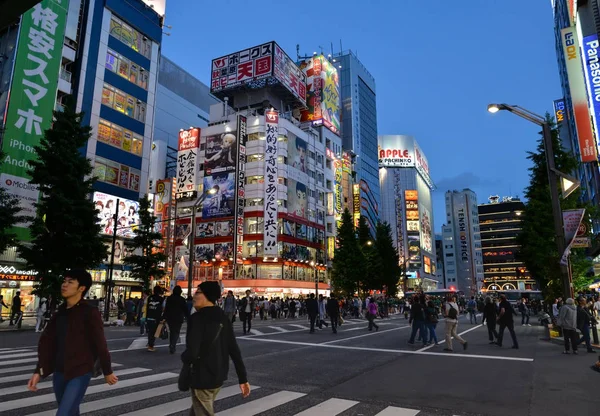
(65,75)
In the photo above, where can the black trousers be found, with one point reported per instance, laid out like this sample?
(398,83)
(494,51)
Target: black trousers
(17,317)
(334,322)
(570,336)
(246,321)
(491,327)
(313,318)
(174,331)
(151,325)
(511,329)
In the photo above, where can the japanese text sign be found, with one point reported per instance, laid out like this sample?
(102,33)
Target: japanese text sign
(271,180)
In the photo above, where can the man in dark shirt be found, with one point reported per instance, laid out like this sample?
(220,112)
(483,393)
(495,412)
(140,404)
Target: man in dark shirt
(15,311)
(584,319)
(312,308)
(417,318)
(505,319)
(154,311)
(333,310)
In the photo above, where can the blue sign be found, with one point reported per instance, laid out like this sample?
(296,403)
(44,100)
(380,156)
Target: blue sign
(592,75)
(559,111)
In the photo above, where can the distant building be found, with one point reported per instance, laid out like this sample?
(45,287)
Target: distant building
(463,262)
(500,223)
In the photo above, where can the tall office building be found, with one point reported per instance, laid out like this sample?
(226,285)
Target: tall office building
(439,257)
(463,260)
(406,205)
(359,130)
(500,223)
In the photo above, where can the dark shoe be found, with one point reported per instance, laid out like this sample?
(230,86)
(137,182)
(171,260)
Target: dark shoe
(515,347)
(492,342)
(411,343)
(566,352)
(448,350)
(334,331)
(575,352)
(591,350)
(465,345)
(500,345)
(376,328)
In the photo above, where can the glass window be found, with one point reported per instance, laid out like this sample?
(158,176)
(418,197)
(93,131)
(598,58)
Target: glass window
(116,137)
(135,40)
(127,140)
(143,78)
(127,35)
(108,96)
(133,73)
(111,62)
(129,109)
(137,145)
(104,132)
(120,100)
(140,113)
(100,171)
(115,27)
(124,68)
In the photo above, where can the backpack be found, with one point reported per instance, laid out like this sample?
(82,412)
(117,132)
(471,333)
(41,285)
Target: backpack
(452,313)
(472,304)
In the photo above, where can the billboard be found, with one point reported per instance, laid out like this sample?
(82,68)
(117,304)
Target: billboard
(221,203)
(592,75)
(426,231)
(323,93)
(297,199)
(270,185)
(338,190)
(396,151)
(559,111)
(287,72)
(414,251)
(187,163)
(422,166)
(162,210)
(223,251)
(204,252)
(32,98)
(221,153)
(127,212)
(240,195)
(298,154)
(224,228)
(356,203)
(205,229)
(583,124)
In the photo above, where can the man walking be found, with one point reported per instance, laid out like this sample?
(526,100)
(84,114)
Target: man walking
(584,320)
(312,308)
(70,344)
(130,311)
(322,307)
(333,310)
(451,313)
(154,310)
(524,309)
(2,305)
(210,342)
(417,319)
(229,306)
(472,309)
(505,319)
(246,308)
(141,311)
(489,317)
(15,311)
(175,312)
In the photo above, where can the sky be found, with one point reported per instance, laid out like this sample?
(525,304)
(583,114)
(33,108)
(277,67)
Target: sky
(436,69)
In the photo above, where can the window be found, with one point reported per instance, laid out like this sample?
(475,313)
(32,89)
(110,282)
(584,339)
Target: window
(116,174)
(254,225)
(252,180)
(328,164)
(127,69)
(130,37)
(119,137)
(256,157)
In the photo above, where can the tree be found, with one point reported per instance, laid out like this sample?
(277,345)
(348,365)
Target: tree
(390,260)
(348,261)
(10,209)
(538,247)
(147,264)
(372,276)
(65,230)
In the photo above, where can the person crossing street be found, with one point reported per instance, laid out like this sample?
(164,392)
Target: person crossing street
(333,310)
(505,319)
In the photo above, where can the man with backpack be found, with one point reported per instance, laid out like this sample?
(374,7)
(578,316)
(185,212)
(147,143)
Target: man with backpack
(505,319)
(472,309)
(451,314)
(154,311)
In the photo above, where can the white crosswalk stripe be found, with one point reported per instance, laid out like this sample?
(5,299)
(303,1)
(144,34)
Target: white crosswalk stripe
(22,361)
(18,355)
(13,351)
(329,407)
(397,411)
(262,405)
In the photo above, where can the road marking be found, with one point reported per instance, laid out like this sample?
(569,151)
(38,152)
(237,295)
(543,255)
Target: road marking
(278,328)
(397,411)
(99,388)
(12,351)
(27,375)
(138,343)
(256,332)
(365,335)
(329,407)
(7,357)
(23,361)
(352,329)
(263,404)
(441,342)
(300,326)
(344,347)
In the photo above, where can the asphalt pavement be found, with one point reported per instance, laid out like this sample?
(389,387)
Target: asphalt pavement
(354,372)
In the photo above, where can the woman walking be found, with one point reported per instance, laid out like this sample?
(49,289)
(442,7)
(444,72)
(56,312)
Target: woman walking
(489,316)
(431,321)
(371,314)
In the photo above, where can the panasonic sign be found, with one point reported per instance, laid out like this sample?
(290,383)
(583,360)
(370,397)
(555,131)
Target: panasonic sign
(592,75)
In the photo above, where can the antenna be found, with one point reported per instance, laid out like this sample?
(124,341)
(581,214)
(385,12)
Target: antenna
(320,47)
(297,51)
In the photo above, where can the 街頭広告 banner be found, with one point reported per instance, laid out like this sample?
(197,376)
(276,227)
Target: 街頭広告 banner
(592,75)
(32,99)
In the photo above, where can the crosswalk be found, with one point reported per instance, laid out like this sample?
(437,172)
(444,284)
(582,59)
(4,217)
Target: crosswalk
(141,391)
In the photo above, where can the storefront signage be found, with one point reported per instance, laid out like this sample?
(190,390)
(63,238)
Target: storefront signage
(571,221)
(271,181)
(187,159)
(592,75)
(356,202)
(240,173)
(399,218)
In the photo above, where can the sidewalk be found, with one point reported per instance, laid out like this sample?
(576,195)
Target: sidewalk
(27,325)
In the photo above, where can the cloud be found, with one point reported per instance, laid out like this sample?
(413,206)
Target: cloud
(461,181)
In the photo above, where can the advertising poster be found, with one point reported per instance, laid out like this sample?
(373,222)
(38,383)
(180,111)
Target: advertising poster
(223,251)
(270,186)
(242,68)
(221,153)
(182,231)
(224,228)
(414,251)
(240,174)
(32,99)
(297,199)
(571,222)
(187,163)
(396,151)
(204,252)
(301,231)
(298,154)
(205,229)
(128,217)
(219,204)
(426,239)
(288,251)
(290,76)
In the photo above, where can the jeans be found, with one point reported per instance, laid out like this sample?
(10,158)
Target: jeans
(431,328)
(571,337)
(174,331)
(371,318)
(418,326)
(17,317)
(452,331)
(129,319)
(492,334)
(69,393)
(142,322)
(312,318)
(524,318)
(511,329)
(334,322)
(585,337)
(203,402)
(151,325)
(472,316)
(246,320)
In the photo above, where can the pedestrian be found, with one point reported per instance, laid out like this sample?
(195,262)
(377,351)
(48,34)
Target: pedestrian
(596,307)
(229,306)
(16,315)
(130,312)
(431,321)
(524,309)
(40,313)
(555,310)
(210,342)
(567,320)
(505,320)
(451,313)
(333,310)
(154,309)
(472,309)
(584,319)
(417,319)
(293,309)
(322,307)
(175,312)
(141,311)
(120,308)
(372,314)
(246,308)
(2,305)
(489,317)
(312,309)
(71,343)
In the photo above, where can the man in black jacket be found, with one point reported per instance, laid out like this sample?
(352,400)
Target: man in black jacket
(154,309)
(15,313)
(333,310)
(584,319)
(175,311)
(312,309)
(209,344)
(246,307)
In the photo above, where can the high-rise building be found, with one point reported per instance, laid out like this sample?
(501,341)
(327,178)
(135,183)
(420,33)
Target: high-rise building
(463,260)
(500,223)
(439,261)
(359,130)
(406,205)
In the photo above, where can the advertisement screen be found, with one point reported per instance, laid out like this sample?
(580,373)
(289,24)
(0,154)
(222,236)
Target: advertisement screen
(242,68)
(204,252)
(414,251)
(221,153)
(221,203)
(205,229)
(297,199)
(128,217)
(298,154)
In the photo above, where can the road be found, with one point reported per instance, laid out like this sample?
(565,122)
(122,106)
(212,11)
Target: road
(354,372)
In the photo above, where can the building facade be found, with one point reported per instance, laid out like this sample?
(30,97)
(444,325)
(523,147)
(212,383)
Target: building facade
(359,130)
(500,222)
(463,259)
(406,205)
(439,261)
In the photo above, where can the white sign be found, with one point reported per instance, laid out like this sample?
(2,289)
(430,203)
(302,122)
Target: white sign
(396,152)
(270,194)
(187,157)
(571,221)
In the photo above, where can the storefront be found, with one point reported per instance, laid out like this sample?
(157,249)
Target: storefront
(13,279)
(123,285)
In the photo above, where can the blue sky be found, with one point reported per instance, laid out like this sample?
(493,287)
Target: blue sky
(436,68)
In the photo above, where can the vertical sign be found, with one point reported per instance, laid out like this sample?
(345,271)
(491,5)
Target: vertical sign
(583,124)
(592,75)
(399,217)
(413,228)
(162,208)
(270,195)
(356,203)
(559,111)
(187,157)
(240,195)
(571,221)
(32,99)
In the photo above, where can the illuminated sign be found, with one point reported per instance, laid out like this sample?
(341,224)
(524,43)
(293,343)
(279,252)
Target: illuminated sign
(270,186)
(411,195)
(592,74)
(242,137)
(559,110)
(242,67)
(412,215)
(422,166)
(187,161)
(356,202)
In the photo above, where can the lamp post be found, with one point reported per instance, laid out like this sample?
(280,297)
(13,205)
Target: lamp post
(314,266)
(211,191)
(553,176)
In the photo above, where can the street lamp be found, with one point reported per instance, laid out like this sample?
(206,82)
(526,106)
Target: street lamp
(314,266)
(210,191)
(553,176)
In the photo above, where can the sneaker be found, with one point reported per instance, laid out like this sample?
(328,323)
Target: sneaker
(523,325)
(151,349)
(528,324)
(575,352)
(492,342)
(465,345)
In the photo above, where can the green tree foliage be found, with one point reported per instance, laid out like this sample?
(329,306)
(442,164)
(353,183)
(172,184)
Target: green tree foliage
(146,265)
(538,246)
(65,232)
(10,210)
(390,269)
(348,263)
(372,277)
